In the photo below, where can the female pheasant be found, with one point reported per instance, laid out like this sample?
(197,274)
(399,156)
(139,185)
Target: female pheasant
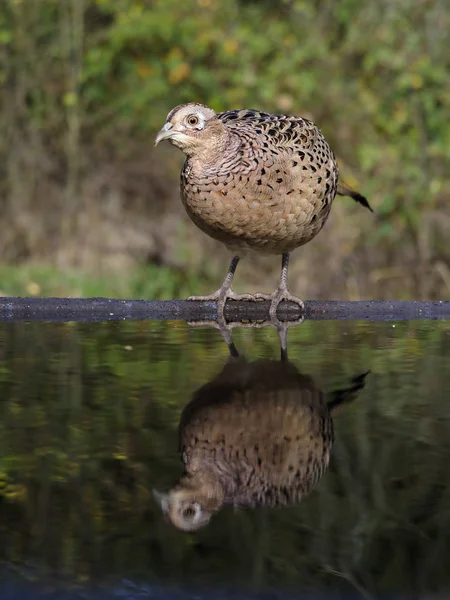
(256,182)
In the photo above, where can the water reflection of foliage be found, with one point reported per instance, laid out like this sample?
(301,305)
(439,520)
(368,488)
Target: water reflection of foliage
(87,83)
(88,427)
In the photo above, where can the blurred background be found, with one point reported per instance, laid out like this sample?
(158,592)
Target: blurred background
(89,207)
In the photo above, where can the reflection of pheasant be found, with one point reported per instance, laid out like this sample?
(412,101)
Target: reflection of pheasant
(258,434)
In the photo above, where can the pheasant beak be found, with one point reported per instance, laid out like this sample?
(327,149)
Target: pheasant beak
(162,499)
(165,133)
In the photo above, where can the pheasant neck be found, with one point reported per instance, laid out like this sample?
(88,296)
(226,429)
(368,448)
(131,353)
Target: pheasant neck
(219,156)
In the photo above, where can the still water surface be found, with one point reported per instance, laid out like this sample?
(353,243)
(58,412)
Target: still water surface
(89,425)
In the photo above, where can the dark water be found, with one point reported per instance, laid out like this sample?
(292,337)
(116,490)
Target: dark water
(88,428)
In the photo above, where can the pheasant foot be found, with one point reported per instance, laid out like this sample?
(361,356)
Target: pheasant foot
(277,297)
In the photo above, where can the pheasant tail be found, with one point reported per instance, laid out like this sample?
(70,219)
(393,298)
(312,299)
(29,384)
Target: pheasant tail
(345,190)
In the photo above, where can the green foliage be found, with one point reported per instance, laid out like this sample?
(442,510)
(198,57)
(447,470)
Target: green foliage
(373,75)
(155,282)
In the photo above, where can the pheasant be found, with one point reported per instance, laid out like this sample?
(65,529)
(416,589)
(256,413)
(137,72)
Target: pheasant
(258,434)
(257,182)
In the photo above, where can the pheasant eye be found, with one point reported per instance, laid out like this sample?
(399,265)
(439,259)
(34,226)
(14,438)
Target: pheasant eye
(189,512)
(192,120)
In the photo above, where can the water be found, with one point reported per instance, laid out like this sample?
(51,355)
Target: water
(88,428)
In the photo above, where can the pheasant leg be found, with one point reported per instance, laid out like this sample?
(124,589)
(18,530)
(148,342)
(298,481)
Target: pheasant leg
(223,293)
(282,292)
(226,292)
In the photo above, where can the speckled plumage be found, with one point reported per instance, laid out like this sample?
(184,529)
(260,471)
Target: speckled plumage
(271,192)
(256,182)
(258,434)
(262,429)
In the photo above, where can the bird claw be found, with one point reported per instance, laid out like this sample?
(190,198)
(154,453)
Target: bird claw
(260,297)
(247,297)
(231,295)
(221,296)
(278,297)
